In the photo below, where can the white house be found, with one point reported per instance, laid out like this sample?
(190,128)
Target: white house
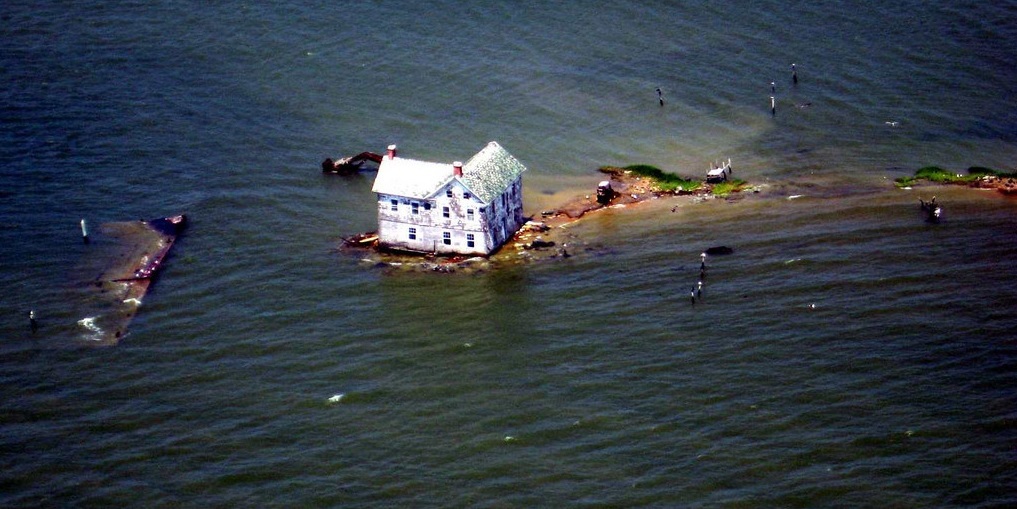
(457,208)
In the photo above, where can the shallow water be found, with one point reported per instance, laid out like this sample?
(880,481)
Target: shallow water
(591,380)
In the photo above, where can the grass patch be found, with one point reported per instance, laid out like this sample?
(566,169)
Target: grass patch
(941,176)
(937,174)
(662,180)
(727,187)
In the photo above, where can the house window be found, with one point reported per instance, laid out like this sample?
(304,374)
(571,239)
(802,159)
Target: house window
(427,205)
(448,193)
(395,205)
(466,195)
(415,208)
(469,240)
(469,214)
(413,234)
(444,212)
(446,238)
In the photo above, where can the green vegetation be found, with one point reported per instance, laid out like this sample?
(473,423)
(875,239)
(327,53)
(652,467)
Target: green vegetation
(727,187)
(904,181)
(663,181)
(941,176)
(937,174)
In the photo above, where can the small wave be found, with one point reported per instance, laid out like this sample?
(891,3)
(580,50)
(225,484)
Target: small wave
(97,333)
(89,323)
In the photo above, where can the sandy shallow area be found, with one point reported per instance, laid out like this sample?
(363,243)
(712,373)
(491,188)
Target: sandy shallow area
(546,236)
(549,235)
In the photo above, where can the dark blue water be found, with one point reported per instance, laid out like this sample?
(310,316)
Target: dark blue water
(847,354)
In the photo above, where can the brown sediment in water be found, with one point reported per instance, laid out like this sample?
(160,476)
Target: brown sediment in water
(545,236)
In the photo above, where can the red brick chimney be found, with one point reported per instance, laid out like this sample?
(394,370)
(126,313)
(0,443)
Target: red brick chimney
(457,168)
(391,152)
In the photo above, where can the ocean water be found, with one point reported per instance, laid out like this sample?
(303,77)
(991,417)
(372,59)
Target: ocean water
(847,354)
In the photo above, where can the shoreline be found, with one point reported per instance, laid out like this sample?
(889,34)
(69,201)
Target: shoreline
(1004,185)
(977,178)
(545,236)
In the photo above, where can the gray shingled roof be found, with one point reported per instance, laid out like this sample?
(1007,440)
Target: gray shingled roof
(488,173)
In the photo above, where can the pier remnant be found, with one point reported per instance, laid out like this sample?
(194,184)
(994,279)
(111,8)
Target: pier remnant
(352,164)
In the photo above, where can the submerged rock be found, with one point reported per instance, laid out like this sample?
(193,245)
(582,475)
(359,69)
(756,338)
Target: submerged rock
(719,250)
(541,243)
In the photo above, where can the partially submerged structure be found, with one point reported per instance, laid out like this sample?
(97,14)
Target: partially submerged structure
(133,264)
(441,208)
(350,164)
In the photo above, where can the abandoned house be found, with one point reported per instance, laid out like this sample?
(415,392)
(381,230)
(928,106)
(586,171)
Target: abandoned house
(457,208)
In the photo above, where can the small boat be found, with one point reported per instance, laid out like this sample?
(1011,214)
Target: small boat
(719,172)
